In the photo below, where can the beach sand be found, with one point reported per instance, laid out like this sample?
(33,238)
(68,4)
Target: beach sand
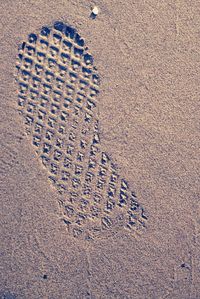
(146,54)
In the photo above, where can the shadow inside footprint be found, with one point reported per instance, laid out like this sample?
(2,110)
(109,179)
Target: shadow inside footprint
(7,295)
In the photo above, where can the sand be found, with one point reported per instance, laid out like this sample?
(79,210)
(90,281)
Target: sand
(146,106)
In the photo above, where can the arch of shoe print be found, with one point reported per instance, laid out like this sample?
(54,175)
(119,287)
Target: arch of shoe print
(58,86)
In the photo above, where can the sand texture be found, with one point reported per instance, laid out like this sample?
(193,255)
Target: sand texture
(100,148)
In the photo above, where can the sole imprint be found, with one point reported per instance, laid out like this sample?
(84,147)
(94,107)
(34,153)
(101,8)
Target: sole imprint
(58,86)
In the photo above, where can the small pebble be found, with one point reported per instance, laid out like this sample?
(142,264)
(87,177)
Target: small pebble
(95,10)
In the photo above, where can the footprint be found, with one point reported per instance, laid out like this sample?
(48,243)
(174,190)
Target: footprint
(58,87)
